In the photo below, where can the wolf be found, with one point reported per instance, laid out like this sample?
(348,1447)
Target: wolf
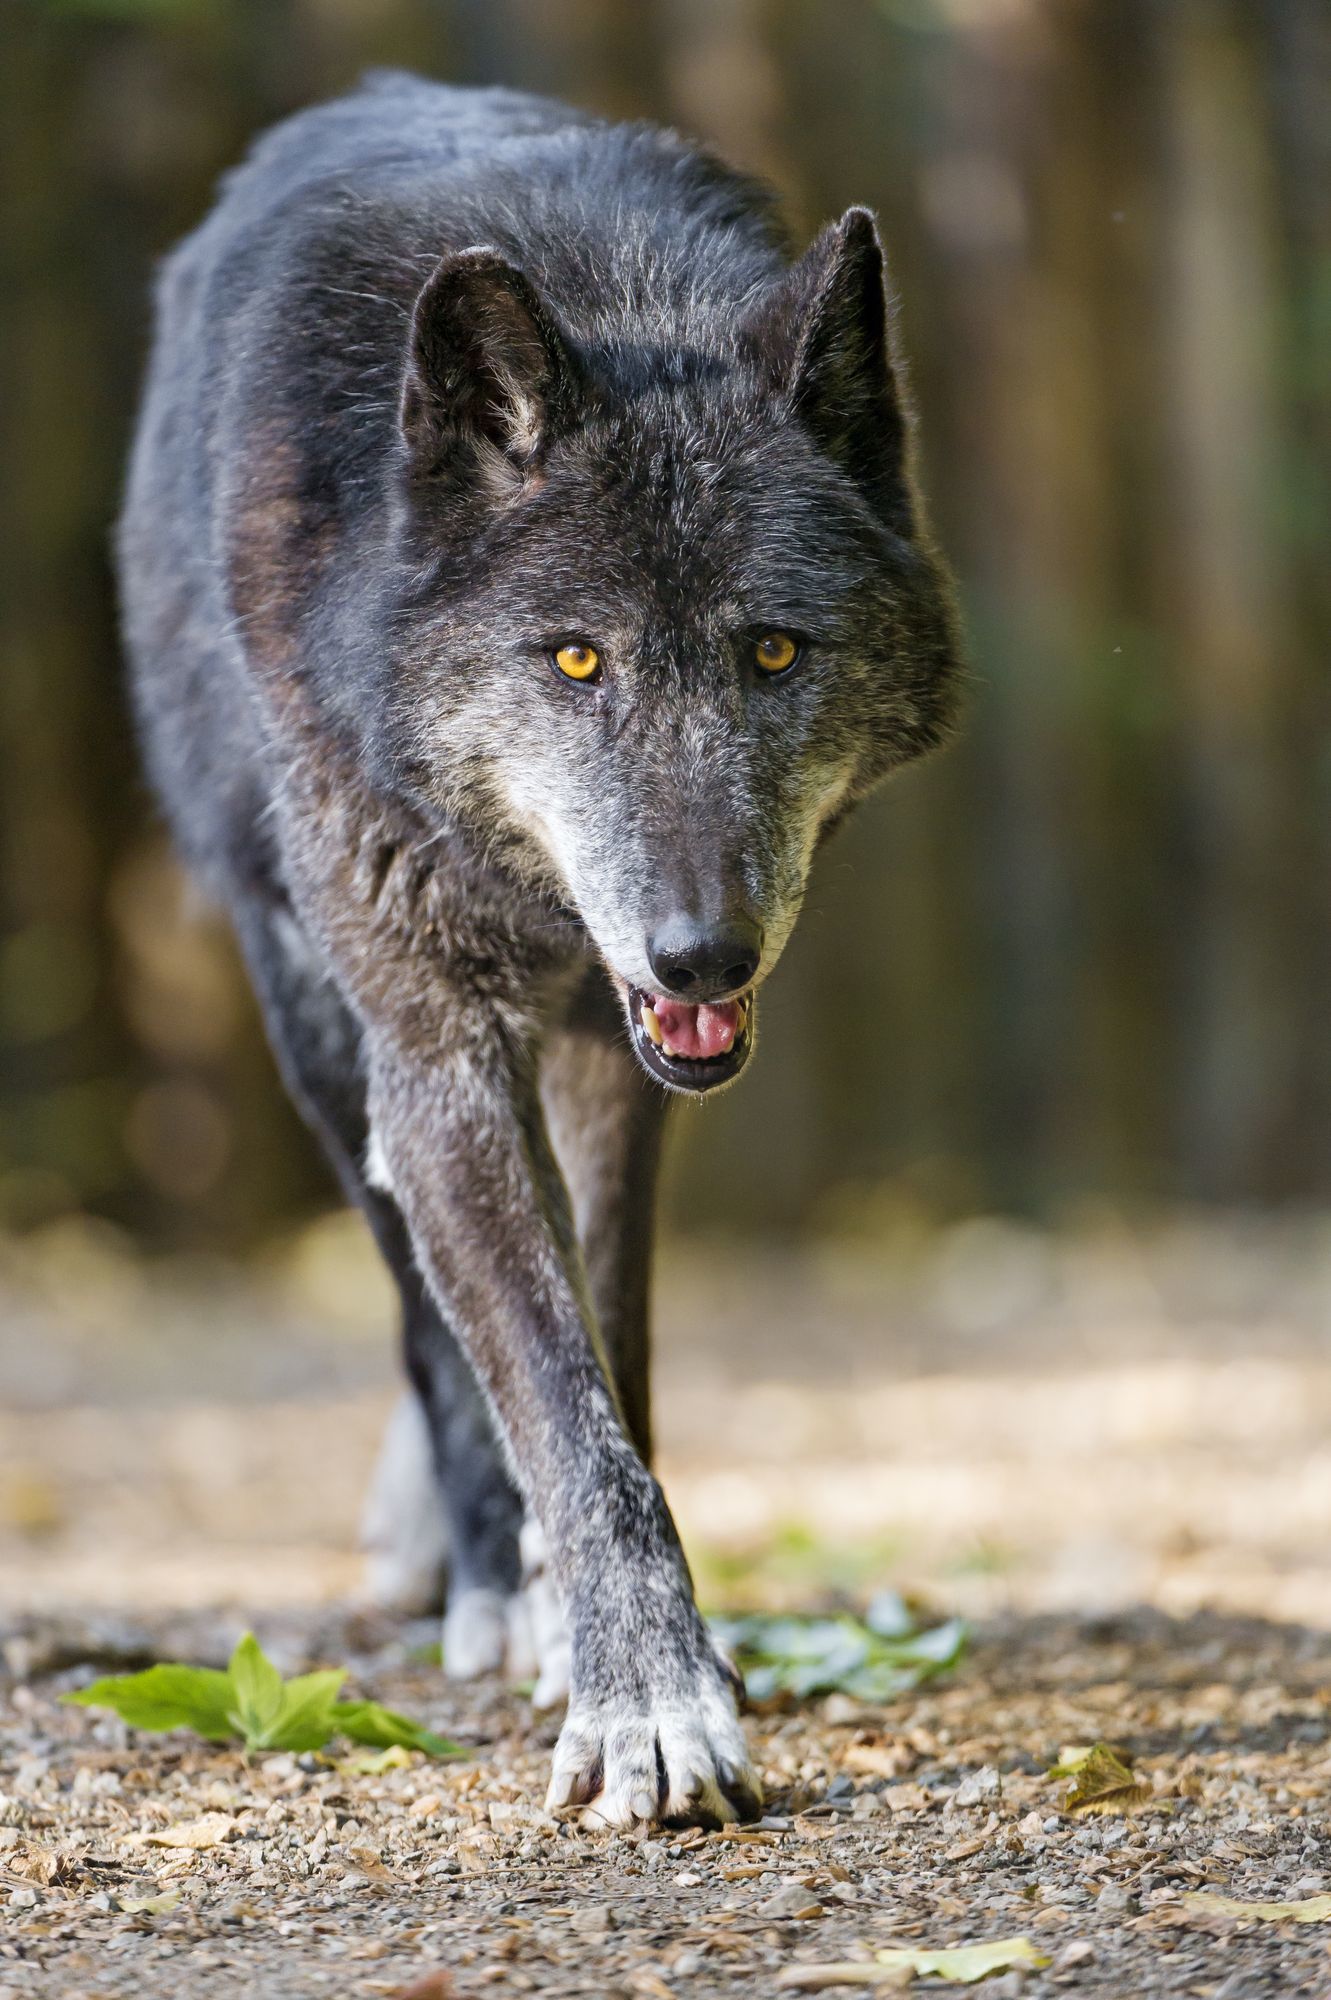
(523,573)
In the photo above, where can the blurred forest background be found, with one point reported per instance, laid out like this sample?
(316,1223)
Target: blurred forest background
(1084,959)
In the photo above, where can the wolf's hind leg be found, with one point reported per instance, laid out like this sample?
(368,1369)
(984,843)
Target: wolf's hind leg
(402,1527)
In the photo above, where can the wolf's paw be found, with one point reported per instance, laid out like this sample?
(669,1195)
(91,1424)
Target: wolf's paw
(617,1766)
(548,1633)
(402,1525)
(521,1636)
(485,1632)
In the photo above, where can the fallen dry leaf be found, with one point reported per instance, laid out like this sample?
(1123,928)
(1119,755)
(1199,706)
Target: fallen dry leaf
(791,1901)
(1311,1910)
(210,1830)
(364,1861)
(34,1864)
(965,1848)
(820,1829)
(905,1798)
(1103,1781)
(436,1985)
(649,1984)
(961,1964)
(150,1906)
(815,1978)
(876,1760)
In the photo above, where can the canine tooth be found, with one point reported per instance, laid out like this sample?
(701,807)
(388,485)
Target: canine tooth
(651,1024)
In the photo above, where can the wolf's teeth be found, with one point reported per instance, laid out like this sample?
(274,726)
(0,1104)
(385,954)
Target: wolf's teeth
(651,1024)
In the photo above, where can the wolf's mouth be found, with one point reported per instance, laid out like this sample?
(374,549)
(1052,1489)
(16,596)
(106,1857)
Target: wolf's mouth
(691,1048)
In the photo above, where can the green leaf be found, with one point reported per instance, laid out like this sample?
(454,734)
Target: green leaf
(373,1763)
(304,1719)
(383,1728)
(166,1697)
(256,1692)
(253,1702)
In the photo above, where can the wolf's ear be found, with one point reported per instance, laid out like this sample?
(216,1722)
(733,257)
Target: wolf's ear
(489,376)
(826,326)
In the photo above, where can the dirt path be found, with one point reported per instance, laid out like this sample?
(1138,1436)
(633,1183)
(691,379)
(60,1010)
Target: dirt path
(925,1825)
(1025,1431)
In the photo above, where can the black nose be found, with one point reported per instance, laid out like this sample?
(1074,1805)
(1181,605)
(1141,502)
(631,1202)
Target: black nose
(701,962)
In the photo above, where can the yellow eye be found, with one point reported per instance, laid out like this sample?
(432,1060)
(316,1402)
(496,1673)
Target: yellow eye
(776,651)
(579,662)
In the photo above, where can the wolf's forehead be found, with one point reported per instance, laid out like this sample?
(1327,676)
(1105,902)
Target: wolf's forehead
(692,485)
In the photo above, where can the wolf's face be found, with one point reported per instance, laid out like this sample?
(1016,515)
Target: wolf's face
(664,633)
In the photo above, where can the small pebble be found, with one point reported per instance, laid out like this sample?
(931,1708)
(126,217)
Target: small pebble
(792,1901)
(979,1787)
(594,1920)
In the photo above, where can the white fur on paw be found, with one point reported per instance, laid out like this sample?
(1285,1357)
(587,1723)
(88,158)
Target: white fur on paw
(487,1632)
(475,1639)
(545,1621)
(618,1766)
(522,1636)
(402,1522)
(375,1164)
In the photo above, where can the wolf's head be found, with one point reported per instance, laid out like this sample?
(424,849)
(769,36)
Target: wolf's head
(673,610)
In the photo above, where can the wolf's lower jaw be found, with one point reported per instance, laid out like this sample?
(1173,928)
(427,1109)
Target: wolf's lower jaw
(691,1074)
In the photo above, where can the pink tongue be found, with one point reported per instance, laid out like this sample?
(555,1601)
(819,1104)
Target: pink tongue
(697,1031)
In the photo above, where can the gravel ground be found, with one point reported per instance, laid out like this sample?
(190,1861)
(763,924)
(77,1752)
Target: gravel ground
(928,1824)
(1030,1430)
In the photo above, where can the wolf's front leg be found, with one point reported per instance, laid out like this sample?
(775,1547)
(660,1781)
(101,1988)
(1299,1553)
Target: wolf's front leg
(652,1730)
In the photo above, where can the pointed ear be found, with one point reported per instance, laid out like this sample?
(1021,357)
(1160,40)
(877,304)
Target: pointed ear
(489,379)
(827,327)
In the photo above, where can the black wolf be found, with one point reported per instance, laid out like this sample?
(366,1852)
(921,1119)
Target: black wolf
(522,574)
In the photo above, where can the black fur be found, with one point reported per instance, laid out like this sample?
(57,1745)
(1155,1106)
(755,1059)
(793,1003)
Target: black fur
(447,379)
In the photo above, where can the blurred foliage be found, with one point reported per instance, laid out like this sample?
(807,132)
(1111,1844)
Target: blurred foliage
(885,1653)
(1088,953)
